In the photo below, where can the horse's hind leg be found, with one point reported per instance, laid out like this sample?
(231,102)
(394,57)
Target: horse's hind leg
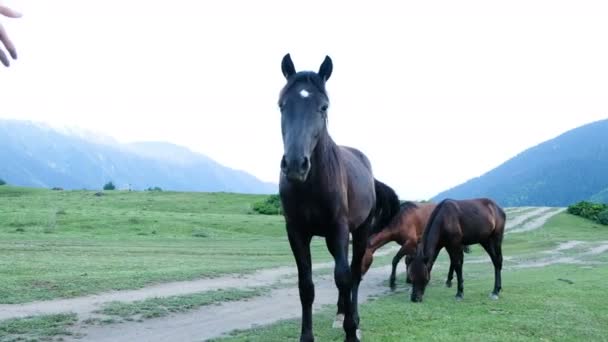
(396,259)
(408,261)
(337,244)
(300,246)
(494,249)
(448,282)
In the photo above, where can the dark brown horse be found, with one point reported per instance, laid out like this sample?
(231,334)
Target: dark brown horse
(454,224)
(326,190)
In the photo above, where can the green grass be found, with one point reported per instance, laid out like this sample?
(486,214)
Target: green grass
(39,328)
(534,305)
(71,243)
(160,307)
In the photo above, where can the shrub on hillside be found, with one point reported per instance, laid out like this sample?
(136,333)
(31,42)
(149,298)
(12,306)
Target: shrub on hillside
(597,212)
(270,206)
(603,217)
(2,182)
(156,188)
(109,186)
(587,209)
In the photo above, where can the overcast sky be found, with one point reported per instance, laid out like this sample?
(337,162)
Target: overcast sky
(434,92)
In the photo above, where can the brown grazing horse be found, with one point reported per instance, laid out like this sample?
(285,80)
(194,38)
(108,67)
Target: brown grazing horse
(326,190)
(453,224)
(405,229)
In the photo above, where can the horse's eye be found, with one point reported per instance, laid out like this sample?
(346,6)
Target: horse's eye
(324,108)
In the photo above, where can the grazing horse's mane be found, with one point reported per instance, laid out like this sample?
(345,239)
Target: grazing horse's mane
(387,206)
(429,225)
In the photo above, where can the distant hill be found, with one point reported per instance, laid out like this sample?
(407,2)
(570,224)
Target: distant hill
(37,155)
(567,169)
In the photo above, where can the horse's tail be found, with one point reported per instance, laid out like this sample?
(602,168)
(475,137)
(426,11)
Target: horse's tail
(387,206)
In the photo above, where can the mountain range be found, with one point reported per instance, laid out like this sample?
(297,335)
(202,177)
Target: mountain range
(569,168)
(37,155)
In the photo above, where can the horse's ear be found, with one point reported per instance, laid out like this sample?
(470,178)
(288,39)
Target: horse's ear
(287,66)
(326,68)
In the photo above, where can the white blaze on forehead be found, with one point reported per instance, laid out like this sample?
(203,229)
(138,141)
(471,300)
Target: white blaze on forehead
(304,93)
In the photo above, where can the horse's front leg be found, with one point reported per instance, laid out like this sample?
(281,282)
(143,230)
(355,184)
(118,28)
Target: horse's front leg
(396,259)
(360,236)
(300,246)
(337,244)
(456,258)
(408,261)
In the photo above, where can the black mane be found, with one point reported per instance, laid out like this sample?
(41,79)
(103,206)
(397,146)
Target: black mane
(387,206)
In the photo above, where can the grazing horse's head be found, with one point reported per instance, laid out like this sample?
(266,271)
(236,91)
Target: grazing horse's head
(303,102)
(419,274)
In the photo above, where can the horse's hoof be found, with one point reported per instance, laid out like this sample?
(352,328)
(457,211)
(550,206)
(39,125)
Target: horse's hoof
(338,321)
(448,284)
(459,298)
(307,338)
(356,338)
(493,296)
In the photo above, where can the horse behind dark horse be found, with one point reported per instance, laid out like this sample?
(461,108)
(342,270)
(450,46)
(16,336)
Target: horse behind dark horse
(406,229)
(454,224)
(326,190)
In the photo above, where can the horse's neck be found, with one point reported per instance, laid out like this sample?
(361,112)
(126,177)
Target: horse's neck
(380,239)
(431,240)
(325,160)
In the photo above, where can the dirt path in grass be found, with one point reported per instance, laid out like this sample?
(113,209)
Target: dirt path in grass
(213,321)
(532,219)
(84,306)
(558,255)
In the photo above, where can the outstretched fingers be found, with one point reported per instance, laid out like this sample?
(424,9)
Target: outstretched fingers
(7,12)
(8,44)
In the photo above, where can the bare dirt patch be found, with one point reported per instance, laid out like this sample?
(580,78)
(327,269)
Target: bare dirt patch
(532,220)
(214,321)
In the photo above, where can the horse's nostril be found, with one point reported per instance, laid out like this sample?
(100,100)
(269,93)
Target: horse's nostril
(283,163)
(305,163)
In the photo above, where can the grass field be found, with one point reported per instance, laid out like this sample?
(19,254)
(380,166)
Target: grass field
(556,302)
(71,243)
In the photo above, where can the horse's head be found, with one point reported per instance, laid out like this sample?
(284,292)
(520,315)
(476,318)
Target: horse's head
(418,272)
(303,103)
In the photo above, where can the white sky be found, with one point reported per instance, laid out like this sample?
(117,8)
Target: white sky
(434,92)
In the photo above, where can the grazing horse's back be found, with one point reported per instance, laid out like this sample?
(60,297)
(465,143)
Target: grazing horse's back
(483,217)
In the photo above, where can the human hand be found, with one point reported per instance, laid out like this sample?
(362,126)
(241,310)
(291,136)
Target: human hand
(7,12)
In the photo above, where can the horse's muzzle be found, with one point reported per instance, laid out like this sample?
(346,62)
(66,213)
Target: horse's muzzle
(416,298)
(296,169)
